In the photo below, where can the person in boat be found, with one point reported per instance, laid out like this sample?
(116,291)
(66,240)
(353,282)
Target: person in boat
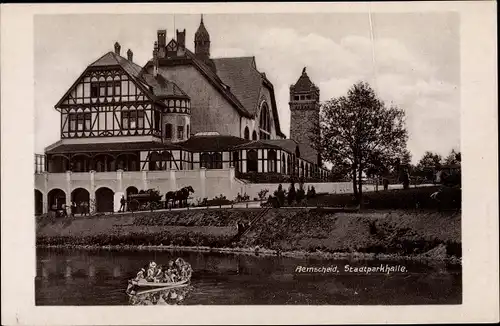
(167,276)
(159,275)
(172,270)
(140,275)
(183,268)
(151,273)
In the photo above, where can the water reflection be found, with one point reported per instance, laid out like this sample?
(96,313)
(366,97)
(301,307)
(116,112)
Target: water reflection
(67,274)
(80,277)
(116,271)
(160,296)
(91,271)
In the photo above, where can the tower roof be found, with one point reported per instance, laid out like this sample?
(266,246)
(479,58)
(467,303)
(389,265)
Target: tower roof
(303,84)
(202,33)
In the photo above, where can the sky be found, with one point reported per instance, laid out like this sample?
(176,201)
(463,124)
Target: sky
(412,60)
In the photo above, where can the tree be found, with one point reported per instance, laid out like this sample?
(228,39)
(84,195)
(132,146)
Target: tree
(428,164)
(360,132)
(453,158)
(429,160)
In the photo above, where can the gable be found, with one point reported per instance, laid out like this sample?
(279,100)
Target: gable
(243,79)
(104,85)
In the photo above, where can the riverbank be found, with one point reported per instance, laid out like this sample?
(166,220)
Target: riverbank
(408,234)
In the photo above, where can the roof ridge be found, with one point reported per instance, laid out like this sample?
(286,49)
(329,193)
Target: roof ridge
(102,56)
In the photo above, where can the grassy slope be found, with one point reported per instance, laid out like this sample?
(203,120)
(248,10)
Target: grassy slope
(394,231)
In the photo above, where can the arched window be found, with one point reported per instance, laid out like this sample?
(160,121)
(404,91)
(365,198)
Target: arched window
(254,135)
(216,161)
(127,162)
(80,163)
(187,132)
(247,133)
(205,160)
(283,163)
(302,168)
(154,161)
(289,165)
(58,164)
(265,122)
(252,160)
(104,163)
(272,161)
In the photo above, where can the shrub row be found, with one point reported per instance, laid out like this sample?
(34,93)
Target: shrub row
(449,198)
(138,239)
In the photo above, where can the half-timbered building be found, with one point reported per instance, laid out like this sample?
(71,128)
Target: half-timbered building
(183,119)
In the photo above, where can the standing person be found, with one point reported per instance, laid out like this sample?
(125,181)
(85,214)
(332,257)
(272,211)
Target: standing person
(386,184)
(122,204)
(73,209)
(64,208)
(85,207)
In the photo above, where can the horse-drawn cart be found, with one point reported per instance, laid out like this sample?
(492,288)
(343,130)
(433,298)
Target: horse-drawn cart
(144,201)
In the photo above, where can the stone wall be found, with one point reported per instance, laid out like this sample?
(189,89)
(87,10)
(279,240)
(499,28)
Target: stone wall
(302,122)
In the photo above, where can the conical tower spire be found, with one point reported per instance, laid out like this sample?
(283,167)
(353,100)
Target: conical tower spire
(202,41)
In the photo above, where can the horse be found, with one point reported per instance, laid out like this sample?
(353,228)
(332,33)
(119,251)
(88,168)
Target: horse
(183,194)
(169,196)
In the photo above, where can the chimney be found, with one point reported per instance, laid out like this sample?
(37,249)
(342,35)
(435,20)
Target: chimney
(181,38)
(117,48)
(155,59)
(162,37)
(130,55)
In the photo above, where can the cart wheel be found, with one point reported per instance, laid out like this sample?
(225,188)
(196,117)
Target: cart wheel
(134,205)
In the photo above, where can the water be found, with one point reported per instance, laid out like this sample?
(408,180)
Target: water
(83,277)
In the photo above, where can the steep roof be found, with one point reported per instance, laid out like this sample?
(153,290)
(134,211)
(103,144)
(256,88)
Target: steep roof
(304,83)
(306,152)
(238,80)
(111,58)
(245,82)
(155,87)
(212,143)
(243,79)
(218,83)
(162,87)
(202,33)
(109,147)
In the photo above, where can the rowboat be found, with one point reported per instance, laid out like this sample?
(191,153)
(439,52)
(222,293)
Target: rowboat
(144,283)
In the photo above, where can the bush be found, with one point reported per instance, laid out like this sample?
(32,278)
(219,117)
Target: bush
(311,192)
(240,198)
(414,198)
(262,194)
(280,195)
(301,194)
(291,193)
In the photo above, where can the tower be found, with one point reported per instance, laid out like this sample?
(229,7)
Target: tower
(202,42)
(304,108)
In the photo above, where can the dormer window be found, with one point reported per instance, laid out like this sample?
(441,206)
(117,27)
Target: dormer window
(103,89)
